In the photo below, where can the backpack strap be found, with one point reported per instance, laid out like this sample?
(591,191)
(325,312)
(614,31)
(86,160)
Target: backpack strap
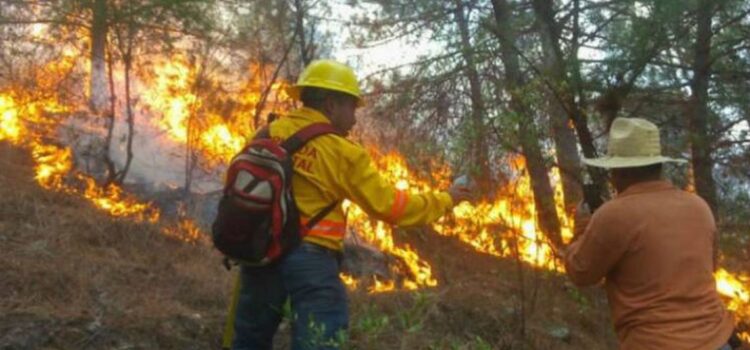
(300,138)
(320,215)
(297,141)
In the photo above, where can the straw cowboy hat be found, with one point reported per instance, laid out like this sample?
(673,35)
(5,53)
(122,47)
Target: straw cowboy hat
(633,142)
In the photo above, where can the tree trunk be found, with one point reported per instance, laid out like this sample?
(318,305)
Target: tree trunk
(540,184)
(300,18)
(700,120)
(568,160)
(566,149)
(128,62)
(110,123)
(479,155)
(98,82)
(564,91)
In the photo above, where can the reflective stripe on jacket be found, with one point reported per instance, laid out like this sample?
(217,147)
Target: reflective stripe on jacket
(331,168)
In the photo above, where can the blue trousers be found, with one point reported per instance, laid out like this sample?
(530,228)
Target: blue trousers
(309,277)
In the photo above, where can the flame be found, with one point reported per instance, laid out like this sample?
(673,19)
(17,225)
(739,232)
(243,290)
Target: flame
(52,164)
(381,287)
(736,291)
(416,272)
(171,95)
(186,230)
(351,282)
(218,135)
(508,226)
(505,227)
(10,126)
(217,125)
(114,201)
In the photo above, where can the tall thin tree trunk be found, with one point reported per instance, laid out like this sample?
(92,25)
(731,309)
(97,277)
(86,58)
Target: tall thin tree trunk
(564,90)
(479,134)
(98,34)
(127,60)
(303,46)
(566,148)
(540,184)
(700,120)
(110,122)
(267,90)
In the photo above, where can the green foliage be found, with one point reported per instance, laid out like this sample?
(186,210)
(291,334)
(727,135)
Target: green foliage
(412,319)
(370,324)
(584,305)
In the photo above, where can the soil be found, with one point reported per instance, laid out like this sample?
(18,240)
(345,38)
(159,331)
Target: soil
(72,277)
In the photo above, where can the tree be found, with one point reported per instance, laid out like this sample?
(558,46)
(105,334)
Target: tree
(514,82)
(701,121)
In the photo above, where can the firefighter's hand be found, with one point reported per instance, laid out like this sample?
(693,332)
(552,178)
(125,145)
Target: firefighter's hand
(460,193)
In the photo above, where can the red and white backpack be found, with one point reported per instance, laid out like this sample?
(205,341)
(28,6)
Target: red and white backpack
(257,220)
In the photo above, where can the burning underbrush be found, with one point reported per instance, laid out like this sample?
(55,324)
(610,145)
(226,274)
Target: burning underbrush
(192,133)
(73,276)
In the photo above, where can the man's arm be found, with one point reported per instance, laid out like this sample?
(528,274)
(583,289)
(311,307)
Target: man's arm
(598,249)
(360,181)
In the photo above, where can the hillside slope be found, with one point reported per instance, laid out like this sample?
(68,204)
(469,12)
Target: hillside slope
(72,277)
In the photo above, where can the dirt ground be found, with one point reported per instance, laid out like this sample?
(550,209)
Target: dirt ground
(73,278)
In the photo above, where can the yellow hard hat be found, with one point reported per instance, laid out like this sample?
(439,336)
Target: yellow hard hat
(327,74)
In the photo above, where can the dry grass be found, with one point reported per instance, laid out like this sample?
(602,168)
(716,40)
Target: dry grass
(72,277)
(64,262)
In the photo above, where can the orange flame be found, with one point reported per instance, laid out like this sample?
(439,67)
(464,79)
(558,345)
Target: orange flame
(736,290)
(380,287)
(508,226)
(54,164)
(10,126)
(504,227)
(349,281)
(186,230)
(378,233)
(183,115)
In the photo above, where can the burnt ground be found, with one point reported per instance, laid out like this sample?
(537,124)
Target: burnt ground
(72,277)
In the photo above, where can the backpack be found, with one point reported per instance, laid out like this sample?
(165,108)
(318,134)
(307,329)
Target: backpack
(258,221)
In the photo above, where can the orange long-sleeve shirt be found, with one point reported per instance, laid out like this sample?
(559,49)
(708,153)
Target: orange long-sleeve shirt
(331,168)
(654,245)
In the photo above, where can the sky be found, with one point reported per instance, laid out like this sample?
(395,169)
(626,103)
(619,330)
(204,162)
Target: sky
(374,58)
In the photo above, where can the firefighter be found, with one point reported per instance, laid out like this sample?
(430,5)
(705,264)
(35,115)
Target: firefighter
(328,169)
(653,245)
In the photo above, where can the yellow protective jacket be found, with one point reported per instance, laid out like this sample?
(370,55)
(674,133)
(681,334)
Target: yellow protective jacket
(331,168)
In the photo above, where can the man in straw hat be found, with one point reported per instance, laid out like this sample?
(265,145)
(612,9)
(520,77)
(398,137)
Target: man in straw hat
(654,246)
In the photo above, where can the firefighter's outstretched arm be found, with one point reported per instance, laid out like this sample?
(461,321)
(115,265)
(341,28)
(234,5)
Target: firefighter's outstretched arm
(361,183)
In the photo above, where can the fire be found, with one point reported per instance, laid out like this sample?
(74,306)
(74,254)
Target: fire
(52,164)
(178,109)
(114,201)
(380,287)
(171,94)
(186,230)
(10,126)
(507,226)
(216,125)
(418,272)
(736,290)
(349,281)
